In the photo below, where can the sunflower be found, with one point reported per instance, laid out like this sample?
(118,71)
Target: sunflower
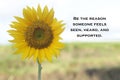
(37,34)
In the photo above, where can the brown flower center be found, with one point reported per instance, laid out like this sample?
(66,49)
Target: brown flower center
(39,35)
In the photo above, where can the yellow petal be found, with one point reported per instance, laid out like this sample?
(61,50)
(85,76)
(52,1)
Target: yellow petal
(34,14)
(17,37)
(25,53)
(56,52)
(27,15)
(50,16)
(18,26)
(35,54)
(32,51)
(15,32)
(21,20)
(48,55)
(17,41)
(20,47)
(45,13)
(57,45)
(41,56)
(58,31)
(39,12)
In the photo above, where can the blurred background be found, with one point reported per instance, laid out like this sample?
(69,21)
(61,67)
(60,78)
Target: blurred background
(82,58)
(78,61)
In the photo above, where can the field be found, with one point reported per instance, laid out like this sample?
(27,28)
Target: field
(78,61)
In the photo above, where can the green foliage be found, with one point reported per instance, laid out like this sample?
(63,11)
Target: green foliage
(74,56)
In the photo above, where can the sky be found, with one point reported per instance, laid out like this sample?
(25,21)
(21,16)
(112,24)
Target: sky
(65,10)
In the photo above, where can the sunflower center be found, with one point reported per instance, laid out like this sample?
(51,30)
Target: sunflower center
(39,35)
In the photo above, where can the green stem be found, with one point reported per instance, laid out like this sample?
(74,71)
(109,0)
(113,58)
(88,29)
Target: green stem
(39,71)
